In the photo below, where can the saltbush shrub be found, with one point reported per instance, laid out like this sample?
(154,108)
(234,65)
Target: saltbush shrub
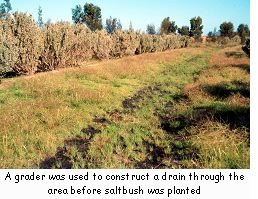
(58,41)
(81,49)
(172,41)
(224,40)
(158,43)
(185,41)
(65,45)
(125,43)
(145,44)
(102,44)
(20,44)
(8,49)
(236,39)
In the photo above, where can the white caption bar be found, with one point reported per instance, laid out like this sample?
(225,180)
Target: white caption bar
(81,184)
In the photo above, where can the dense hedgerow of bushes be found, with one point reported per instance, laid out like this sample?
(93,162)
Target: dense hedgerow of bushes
(236,40)
(125,43)
(25,48)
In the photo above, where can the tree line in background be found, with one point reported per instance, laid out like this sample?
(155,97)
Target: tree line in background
(90,15)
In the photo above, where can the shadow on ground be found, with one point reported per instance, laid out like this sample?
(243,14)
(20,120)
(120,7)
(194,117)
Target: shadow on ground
(232,115)
(65,158)
(224,90)
(235,54)
(244,67)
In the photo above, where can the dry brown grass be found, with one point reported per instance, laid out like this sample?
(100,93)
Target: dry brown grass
(221,147)
(135,65)
(238,99)
(220,58)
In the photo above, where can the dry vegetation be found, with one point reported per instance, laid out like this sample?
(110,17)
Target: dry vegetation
(25,48)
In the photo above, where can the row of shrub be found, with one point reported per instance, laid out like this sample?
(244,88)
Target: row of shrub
(236,40)
(25,48)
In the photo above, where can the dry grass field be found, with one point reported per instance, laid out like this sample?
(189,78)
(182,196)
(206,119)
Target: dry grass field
(185,108)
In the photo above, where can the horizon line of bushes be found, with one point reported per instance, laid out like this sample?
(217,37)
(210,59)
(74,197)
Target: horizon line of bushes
(27,48)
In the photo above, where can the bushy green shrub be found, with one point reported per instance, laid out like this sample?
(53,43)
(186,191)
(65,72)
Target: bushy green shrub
(20,44)
(81,49)
(102,44)
(226,41)
(58,40)
(124,43)
(146,44)
(236,39)
(8,49)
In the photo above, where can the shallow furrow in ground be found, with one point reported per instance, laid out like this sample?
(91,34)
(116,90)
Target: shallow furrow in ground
(157,97)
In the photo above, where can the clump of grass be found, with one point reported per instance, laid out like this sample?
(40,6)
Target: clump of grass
(221,147)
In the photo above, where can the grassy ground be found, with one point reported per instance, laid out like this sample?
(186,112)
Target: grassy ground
(186,108)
